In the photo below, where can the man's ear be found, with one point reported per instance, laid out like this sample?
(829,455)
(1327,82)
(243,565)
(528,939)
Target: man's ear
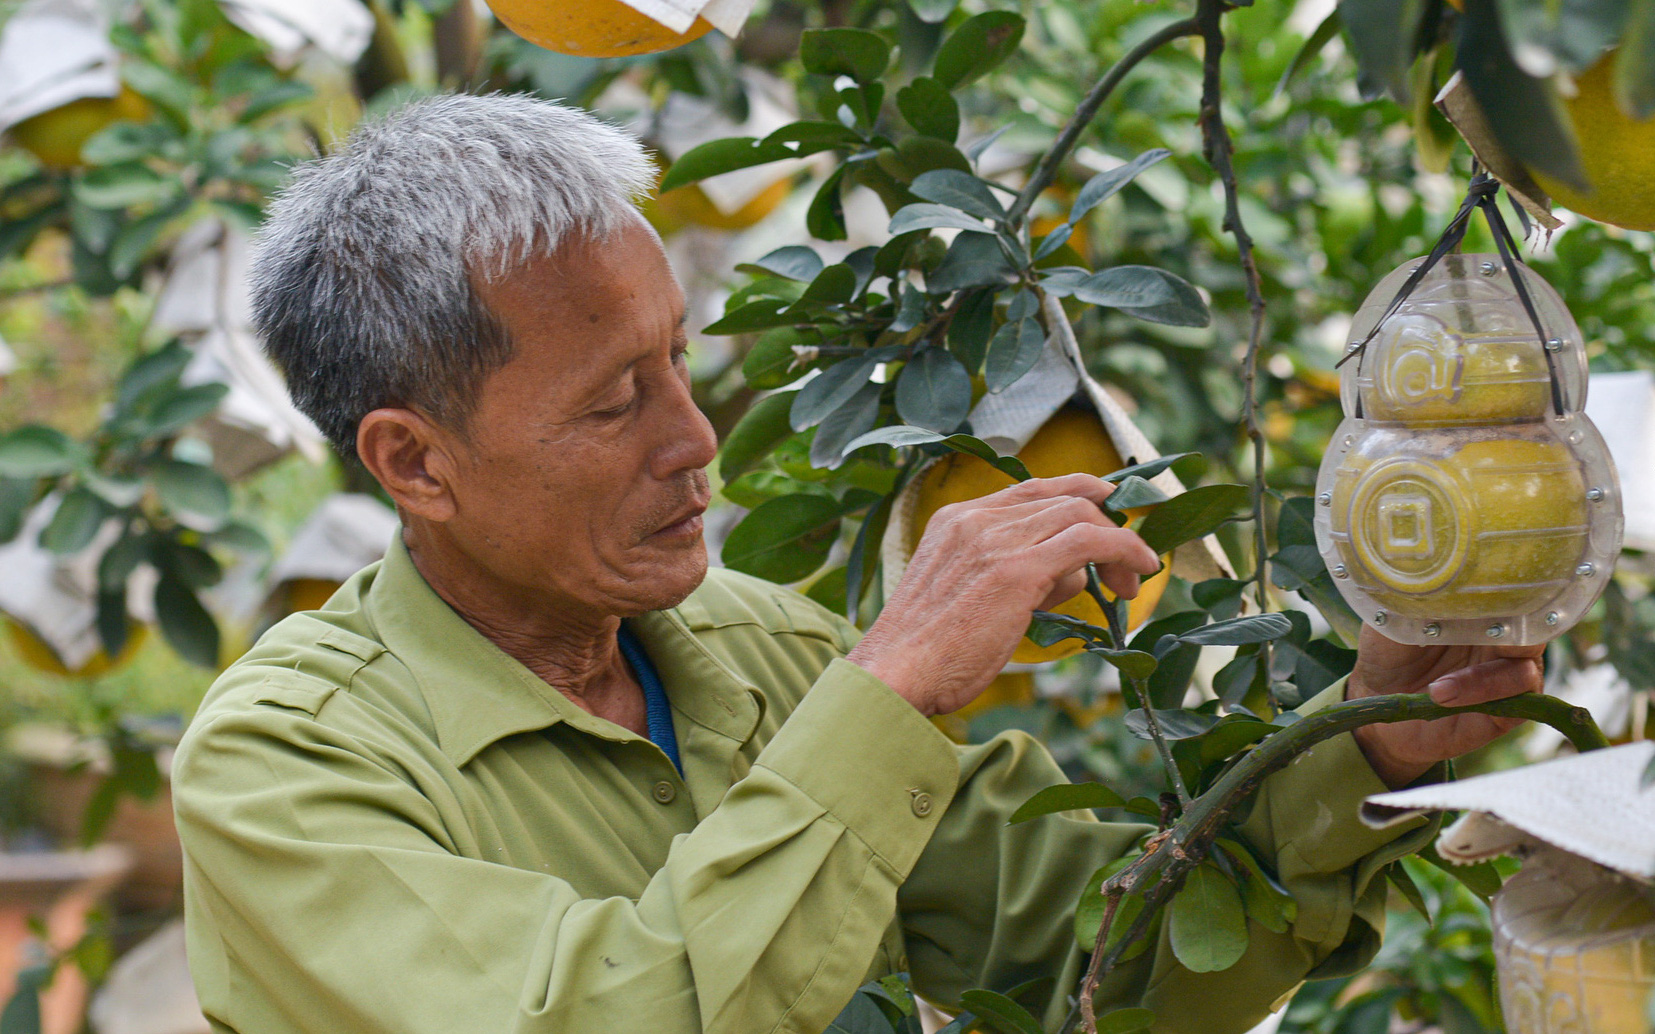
(412,459)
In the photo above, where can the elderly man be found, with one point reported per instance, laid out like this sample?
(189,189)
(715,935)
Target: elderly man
(540,770)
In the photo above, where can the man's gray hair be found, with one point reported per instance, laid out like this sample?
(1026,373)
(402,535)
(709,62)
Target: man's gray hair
(362,275)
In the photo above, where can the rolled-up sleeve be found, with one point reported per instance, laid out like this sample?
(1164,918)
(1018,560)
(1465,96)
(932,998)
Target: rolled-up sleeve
(325,892)
(991,905)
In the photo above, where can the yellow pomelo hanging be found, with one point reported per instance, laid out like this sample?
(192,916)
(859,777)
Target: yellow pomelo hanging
(689,205)
(591,28)
(1072,441)
(55,137)
(309,593)
(40,656)
(1617,152)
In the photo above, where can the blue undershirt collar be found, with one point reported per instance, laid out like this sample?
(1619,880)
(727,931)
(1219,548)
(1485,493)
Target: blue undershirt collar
(658,709)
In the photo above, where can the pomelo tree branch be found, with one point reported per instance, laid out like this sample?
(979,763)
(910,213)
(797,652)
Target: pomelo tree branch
(1169,856)
(1220,153)
(1046,171)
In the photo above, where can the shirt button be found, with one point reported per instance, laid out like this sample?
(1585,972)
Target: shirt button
(921,803)
(665,792)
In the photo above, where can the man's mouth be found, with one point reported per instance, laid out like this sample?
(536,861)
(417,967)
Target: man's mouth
(685,524)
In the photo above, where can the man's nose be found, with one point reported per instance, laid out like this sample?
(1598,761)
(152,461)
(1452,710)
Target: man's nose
(688,440)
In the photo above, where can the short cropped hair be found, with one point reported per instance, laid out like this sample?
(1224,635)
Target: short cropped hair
(362,276)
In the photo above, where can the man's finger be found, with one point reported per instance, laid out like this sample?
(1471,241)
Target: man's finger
(1490,680)
(1084,485)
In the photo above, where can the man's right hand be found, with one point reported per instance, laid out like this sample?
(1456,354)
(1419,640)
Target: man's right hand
(980,571)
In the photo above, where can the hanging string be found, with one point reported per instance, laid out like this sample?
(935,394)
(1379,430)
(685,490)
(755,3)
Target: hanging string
(1481,194)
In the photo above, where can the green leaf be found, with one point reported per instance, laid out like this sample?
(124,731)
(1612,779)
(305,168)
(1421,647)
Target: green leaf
(1089,914)
(1382,35)
(930,108)
(834,285)
(976,47)
(1231,734)
(771,362)
(151,375)
(1634,79)
(969,330)
(911,311)
(1067,797)
(191,565)
(1176,723)
(761,314)
(825,218)
(197,496)
(75,523)
(851,420)
(1314,45)
(959,190)
(1106,184)
(122,186)
(1253,628)
(1053,241)
(126,141)
(240,537)
(1237,679)
(1207,922)
(926,216)
(763,427)
(120,560)
(1145,292)
(1134,664)
(36,451)
(279,95)
(1133,492)
(808,137)
(973,260)
(859,1016)
(110,619)
(1523,112)
(1480,878)
(1012,352)
(1048,628)
(1265,901)
(22,1012)
(135,240)
(1000,1012)
(830,389)
(792,261)
(16,496)
(1126,1021)
(184,407)
(185,623)
(860,54)
(784,540)
(1184,464)
(830,589)
(1192,515)
(933,391)
(1296,523)
(1403,881)
(721,156)
(1220,597)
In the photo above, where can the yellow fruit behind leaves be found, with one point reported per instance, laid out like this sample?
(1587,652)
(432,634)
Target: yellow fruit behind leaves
(1617,152)
(1072,441)
(689,205)
(591,28)
(55,137)
(38,655)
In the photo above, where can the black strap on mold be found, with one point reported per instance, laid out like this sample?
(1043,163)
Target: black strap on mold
(1483,194)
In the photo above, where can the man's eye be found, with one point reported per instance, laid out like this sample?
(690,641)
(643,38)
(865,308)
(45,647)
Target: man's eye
(680,355)
(615,411)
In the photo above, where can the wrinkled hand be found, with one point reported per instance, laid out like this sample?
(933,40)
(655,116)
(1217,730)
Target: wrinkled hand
(981,569)
(1454,676)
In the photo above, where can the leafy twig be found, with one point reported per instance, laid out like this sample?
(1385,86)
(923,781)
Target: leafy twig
(1219,152)
(1115,622)
(1066,140)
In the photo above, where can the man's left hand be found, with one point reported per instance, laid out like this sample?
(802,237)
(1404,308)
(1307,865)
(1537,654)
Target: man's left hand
(1454,676)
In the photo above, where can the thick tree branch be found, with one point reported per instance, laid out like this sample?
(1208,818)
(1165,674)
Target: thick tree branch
(1066,140)
(1169,857)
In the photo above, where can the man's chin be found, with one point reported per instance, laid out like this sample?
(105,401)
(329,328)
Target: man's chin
(672,582)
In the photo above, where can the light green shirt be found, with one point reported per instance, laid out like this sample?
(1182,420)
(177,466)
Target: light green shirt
(391,826)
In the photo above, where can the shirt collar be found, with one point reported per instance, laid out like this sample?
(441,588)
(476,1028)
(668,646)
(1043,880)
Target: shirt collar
(478,694)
